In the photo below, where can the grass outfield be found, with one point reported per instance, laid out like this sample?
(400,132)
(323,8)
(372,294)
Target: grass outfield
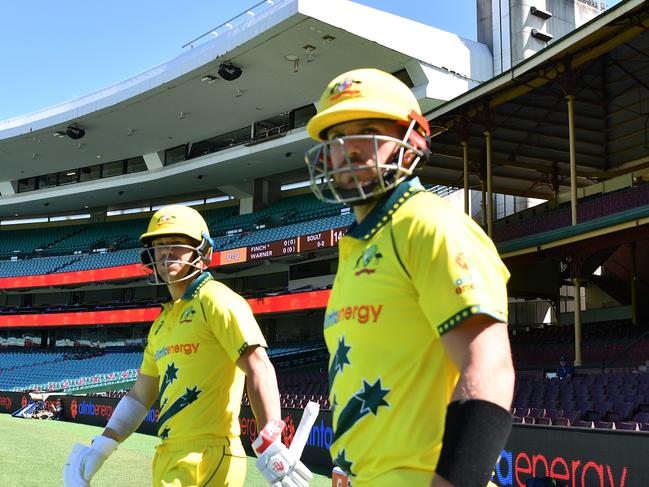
(32,454)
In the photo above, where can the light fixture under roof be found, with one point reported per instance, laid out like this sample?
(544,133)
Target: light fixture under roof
(542,36)
(59,134)
(328,38)
(308,47)
(291,58)
(209,79)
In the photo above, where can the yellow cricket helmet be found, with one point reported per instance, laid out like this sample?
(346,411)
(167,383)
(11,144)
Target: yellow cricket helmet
(176,220)
(366,94)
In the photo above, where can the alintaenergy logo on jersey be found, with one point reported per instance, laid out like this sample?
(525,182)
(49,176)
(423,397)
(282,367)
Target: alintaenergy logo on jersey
(363,313)
(186,348)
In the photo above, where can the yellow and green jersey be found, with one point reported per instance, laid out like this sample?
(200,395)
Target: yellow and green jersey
(413,270)
(193,346)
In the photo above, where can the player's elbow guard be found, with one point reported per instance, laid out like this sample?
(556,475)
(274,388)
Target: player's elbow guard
(127,416)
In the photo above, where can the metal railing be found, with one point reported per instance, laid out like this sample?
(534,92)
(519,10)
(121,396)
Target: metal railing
(230,24)
(442,191)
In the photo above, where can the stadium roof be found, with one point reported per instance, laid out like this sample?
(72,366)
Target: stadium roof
(604,64)
(172,104)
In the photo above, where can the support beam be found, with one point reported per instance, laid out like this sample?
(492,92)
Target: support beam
(244,192)
(467,200)
(505,159)
(527,149)
(605,102)
(490,213)
(551,115)
(573,158)
(483,208)
(577,311)
(634,286)
(6,188)
(455,183)
(154,160)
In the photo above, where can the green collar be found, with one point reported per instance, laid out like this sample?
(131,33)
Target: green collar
(382,212)
(195,286)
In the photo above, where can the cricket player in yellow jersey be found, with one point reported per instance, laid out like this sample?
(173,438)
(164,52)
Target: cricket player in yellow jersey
(420,374)
(200,350)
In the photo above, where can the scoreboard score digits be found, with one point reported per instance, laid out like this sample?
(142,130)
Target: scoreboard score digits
(315,241)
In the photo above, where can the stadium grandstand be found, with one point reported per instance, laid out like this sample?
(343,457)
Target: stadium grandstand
(543,139)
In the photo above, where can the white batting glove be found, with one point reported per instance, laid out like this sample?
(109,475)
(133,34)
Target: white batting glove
(276,463)
(83,462)
(281,469)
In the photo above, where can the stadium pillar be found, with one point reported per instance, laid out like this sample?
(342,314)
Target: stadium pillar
(487,135)
(465,150)
(483,210)
(577,283)
(634,289)
(265,193)
(573,157)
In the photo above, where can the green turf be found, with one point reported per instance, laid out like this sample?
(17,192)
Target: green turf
(32,454)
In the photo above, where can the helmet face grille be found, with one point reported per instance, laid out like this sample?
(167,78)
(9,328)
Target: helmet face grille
(163,256)
(338,177)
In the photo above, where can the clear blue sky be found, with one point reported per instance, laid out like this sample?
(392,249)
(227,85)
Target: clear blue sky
(51,52)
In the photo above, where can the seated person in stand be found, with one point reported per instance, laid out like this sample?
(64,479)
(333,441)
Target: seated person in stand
(565,370)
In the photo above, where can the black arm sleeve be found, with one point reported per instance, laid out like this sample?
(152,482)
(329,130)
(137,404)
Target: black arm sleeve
(474,435)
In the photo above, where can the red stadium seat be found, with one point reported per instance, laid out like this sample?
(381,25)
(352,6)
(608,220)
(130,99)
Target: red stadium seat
(561,422)
(604,425)
(627,425)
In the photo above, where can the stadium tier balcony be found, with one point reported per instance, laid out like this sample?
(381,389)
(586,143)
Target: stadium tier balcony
(113,244)
(73,369)
(541,218)
(541,347)
(63,371)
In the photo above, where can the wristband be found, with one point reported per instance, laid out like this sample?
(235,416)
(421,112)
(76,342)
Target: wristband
(269,435)
(475,433)
(103,445)
(127,416)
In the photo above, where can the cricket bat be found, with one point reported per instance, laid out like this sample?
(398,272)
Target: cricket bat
(304,428)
